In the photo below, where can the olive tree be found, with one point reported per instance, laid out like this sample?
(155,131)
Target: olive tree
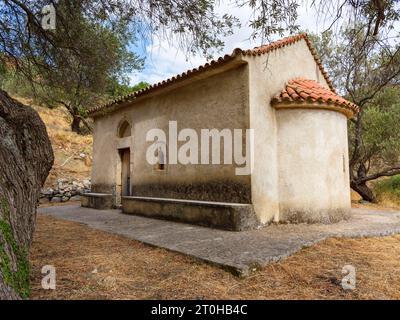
(44,57)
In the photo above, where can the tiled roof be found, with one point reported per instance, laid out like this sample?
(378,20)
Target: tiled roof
(251,52)
(304,91)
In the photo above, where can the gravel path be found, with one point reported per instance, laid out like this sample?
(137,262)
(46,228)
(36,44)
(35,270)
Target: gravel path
(240,252)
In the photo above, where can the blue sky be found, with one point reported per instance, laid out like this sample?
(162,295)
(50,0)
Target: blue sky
(164,60)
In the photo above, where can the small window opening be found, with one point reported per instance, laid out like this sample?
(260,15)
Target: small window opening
(124,130)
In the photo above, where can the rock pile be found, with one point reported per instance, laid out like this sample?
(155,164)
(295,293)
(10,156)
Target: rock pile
(65,190)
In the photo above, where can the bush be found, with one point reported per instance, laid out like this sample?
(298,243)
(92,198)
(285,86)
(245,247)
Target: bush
(388,189)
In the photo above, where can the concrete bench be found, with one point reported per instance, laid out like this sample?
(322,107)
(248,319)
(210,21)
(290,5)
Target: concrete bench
(97,200)
(228,216)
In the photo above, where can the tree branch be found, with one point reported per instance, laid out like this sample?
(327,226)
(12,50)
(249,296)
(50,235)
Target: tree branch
(386,173)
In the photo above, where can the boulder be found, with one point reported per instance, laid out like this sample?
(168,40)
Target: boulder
(87,184)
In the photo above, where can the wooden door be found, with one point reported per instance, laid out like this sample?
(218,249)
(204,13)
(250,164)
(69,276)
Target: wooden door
(126,172)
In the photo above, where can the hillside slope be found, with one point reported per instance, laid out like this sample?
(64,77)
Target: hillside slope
(72,152)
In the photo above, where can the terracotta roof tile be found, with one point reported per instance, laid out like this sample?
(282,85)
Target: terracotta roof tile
(237,52)
(300,91)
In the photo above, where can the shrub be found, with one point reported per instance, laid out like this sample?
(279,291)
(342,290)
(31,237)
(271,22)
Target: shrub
(388,189)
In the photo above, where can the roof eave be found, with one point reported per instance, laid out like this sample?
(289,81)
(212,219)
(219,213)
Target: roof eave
(349,112)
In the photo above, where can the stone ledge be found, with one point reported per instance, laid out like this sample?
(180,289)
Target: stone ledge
(222,215)
(100,201)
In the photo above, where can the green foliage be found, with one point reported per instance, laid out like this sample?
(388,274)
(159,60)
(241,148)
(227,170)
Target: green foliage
(5,209)
(381,133)
(389,187)
(79,78)
(388,97)
(376,18)
(80,81)
(117,89)
(2,72)
(18,277)
(272,17)
(16,84)
(141,85)
(358,66)
(191,25)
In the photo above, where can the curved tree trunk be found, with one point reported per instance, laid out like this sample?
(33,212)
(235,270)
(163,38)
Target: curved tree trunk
(364,191)
(26,158)
(76,125)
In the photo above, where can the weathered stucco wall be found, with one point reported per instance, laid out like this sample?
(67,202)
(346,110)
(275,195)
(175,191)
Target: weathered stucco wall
(104,154)
(313,165)
(220,101)
(268,75)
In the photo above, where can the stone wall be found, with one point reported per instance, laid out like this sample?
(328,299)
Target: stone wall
(65,190)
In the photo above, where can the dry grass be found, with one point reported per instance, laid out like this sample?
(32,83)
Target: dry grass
(93,264)
(388,191)
(387,206)
(385,201)
(388,201)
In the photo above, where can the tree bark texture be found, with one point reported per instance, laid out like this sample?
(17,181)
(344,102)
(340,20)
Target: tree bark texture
(76,124)
(364,191)
(26,157)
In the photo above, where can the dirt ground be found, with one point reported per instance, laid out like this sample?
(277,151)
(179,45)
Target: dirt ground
(92,264)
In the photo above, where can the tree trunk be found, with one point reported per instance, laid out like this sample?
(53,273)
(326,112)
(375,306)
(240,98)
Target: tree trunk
(26,158)
(76,125)
(77,128)
(364,191)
